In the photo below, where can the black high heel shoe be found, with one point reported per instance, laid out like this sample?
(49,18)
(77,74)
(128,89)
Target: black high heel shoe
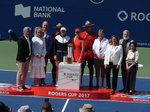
(131,92)
(125,91)
(107,87)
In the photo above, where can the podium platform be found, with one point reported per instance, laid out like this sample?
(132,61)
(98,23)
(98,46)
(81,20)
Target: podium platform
(11,89)
(85,92)
(49,90)
(139,96)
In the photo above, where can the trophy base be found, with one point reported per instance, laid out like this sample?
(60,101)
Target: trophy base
(69,61)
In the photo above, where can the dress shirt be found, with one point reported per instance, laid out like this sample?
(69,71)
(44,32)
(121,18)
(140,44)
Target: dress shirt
(29,43)
(48,41)
(99,47)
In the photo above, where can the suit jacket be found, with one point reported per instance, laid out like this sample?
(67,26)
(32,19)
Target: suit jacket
(128,43)
(23,49)
(117,55)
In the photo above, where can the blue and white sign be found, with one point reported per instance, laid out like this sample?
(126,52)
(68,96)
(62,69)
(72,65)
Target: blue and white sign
(113,16)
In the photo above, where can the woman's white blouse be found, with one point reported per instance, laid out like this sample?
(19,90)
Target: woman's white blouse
(113,54)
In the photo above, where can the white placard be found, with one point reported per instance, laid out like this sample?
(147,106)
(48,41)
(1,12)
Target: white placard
(69,76)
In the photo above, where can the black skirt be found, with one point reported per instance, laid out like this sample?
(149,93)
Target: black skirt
(60,56)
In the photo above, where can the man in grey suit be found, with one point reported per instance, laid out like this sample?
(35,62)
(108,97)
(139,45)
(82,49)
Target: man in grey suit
(125,42)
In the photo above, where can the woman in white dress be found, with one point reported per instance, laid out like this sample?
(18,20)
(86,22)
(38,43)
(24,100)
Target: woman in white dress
(38,61)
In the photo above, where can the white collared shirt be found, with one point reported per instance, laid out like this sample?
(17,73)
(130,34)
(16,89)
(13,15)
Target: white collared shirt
(29,43)
(62,39)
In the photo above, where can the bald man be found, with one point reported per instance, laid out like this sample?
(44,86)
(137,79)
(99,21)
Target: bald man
(48,40)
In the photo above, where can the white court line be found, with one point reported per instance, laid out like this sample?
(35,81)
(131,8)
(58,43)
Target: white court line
(63,110)
(8,70)
(15,70)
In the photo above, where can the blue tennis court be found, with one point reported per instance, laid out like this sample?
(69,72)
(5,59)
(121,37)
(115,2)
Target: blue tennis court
(72,105)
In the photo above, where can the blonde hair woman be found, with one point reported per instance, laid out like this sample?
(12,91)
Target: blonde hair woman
(38,61)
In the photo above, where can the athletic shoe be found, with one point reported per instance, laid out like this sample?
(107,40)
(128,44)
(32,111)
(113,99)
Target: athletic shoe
(20,88)
(25,88)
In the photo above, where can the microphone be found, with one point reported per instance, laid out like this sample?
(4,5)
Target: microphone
(13,35)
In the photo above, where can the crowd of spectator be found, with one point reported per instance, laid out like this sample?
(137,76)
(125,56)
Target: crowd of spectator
(45,107)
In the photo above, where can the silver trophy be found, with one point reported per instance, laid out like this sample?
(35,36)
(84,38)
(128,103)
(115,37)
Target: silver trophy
(69,60)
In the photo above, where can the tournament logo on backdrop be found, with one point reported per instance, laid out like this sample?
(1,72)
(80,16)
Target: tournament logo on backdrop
(97,1)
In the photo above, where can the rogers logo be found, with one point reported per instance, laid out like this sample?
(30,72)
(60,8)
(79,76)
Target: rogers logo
(122,15)
(97,1)
(133,16)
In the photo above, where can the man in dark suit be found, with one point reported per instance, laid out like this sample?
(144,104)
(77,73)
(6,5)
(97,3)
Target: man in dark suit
(23,58)
(125,42)
(48,40)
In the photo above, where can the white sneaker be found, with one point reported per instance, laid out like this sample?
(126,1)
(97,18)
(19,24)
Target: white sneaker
(20,88)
